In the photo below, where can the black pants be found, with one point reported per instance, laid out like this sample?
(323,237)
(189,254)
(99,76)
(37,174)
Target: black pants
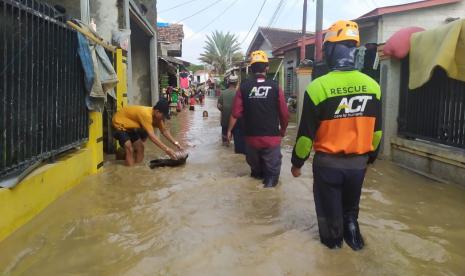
(337,196)
(239,140)
(133,135)
(238,136)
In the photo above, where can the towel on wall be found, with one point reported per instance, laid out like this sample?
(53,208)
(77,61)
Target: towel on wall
(443,46)
(398,45)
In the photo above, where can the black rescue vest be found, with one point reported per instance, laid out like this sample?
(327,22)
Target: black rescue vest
(261,105)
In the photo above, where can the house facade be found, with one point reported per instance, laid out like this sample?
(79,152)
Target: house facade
(290,53)
(377,27)
(170,38)
(380,24)
(201,76)
(431,158)
(270,39)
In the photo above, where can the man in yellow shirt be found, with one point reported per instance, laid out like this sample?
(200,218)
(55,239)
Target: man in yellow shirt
(133,124)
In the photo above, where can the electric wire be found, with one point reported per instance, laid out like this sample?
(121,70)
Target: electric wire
(177,6)
(199,11)
(280,12)
(255,21)
(214,19)
(275,14)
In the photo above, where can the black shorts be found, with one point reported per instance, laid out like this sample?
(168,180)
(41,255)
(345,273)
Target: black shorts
(133,135)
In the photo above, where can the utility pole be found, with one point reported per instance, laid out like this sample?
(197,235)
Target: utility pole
(319,34)
(304,30)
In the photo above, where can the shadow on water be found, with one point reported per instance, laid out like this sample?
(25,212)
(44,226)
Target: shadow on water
(209,217)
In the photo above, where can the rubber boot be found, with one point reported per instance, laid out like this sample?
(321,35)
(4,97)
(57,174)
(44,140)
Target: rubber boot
(332,243)
(270,181)
(352,235)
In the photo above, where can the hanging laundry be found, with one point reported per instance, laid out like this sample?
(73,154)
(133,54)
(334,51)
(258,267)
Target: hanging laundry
(184,80)
(443,46)
(100,77)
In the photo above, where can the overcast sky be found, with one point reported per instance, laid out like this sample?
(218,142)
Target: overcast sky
(237,16)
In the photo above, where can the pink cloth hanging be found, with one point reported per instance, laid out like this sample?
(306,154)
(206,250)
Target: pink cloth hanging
(184,83)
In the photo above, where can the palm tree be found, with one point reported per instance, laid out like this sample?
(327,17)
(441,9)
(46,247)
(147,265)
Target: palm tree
(221,51)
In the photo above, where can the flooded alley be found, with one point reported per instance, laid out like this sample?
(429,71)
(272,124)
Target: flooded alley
(210,218)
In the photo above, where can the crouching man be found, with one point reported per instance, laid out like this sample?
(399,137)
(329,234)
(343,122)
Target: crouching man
(133,124)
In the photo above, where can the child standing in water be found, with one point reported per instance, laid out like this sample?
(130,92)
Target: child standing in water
(192,103)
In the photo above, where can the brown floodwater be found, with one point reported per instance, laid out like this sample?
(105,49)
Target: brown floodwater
(210,218)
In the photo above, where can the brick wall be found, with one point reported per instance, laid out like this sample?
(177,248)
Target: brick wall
(173,33)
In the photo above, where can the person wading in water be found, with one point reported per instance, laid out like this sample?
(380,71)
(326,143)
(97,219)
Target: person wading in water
(341,120)
(225,102)
(261,104)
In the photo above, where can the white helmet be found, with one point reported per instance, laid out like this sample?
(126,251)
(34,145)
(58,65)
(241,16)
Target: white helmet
(233,79)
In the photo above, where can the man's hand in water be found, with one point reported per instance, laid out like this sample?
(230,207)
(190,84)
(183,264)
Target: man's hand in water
(178,146)
(171,153)
(295,171)
(229,136)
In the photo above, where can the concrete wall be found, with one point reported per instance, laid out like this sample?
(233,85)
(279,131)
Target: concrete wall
(73,7)
(267,48)
(426,18)
(291,59)
(203,77)
(107,15)
(140,92)
(368,33)
(151,15)
(304,77)
(390,88)
(48,182)
(433,160)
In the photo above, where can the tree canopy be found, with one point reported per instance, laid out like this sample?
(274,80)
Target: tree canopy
(194,67)
(222,50)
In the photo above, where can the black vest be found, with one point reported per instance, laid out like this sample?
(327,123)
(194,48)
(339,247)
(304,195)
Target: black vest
(261,107)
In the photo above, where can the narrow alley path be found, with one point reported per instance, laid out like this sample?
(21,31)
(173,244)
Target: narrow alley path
(210,218)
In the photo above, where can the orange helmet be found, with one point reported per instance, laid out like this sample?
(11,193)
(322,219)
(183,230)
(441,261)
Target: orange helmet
(258,56)
(343,30)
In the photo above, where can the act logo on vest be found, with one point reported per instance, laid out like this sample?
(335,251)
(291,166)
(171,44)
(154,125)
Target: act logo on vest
(259,92)
(353,106)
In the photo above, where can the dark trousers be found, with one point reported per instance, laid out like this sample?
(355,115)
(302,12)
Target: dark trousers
(238,136)
(266,162)
(224,133)
(337,196)
(239,140)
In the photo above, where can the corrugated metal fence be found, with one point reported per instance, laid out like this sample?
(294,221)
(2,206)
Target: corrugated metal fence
(42,94)
(435,111)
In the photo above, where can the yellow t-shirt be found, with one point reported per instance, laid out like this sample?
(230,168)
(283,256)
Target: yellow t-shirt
(134,117)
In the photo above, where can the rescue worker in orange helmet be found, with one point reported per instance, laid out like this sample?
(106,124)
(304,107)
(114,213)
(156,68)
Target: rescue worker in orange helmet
(341,121)
(261,104)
